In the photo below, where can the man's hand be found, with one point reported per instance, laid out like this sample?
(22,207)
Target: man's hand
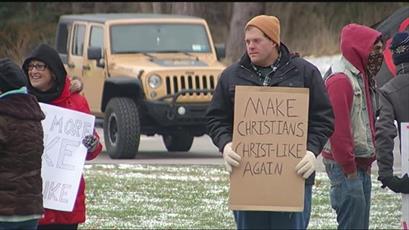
(231,158)
(307,165)
(396,184)
(352,175)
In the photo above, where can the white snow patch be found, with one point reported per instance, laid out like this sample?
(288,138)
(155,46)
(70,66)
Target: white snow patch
(323,63)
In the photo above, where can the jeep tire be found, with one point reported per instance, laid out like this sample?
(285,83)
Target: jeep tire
(121,128)
(178,142)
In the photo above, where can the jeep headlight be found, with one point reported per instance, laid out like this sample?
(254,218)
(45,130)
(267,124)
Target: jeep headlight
(154,81)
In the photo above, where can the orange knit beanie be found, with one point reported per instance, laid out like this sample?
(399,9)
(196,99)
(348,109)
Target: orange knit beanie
(269,25)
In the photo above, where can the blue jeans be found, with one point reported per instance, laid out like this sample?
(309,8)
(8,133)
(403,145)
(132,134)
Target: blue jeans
(350,198)
(26,225)
(276,220)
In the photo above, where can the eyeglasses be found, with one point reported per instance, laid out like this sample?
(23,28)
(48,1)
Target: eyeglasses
(39,67)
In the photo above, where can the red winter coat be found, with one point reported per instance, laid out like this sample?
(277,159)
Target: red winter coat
(75,102)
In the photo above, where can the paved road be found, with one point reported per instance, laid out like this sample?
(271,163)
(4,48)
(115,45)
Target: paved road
(153,151)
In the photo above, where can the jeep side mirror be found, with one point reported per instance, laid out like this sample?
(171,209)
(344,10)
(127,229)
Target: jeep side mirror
(95,53)
(220,51)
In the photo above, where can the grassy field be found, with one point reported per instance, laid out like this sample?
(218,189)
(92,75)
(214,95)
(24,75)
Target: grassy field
(189,196)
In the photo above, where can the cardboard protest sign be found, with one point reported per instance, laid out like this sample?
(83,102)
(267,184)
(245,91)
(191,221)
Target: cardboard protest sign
(64,155)
(270,134)
(404,140)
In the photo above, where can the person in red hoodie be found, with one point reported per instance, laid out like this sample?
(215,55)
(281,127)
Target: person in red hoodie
(48,81)
(350,151)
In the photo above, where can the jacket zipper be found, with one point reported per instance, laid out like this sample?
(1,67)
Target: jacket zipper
(281,75)
(242,66)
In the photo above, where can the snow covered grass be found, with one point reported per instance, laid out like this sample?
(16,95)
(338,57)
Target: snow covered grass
(195,196)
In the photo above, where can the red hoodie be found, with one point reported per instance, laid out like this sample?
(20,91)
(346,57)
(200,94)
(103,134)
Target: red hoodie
(75,102)
(356,44)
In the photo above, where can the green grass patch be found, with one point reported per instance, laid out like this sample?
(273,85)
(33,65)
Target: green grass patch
(193,196)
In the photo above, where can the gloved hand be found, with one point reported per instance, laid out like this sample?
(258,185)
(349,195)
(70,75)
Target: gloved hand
(396,184)
(306,166)
(90,142)
(231,158)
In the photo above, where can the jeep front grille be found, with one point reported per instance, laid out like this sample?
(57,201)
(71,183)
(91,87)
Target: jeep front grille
(175,84)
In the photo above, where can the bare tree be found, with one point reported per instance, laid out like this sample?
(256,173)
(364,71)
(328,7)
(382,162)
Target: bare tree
(162,7)
(76,7)
(242,12)
(146,7)
(99,7)
(29,10)
(184,8)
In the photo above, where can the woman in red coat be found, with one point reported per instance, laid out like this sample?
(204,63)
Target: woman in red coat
(48,81)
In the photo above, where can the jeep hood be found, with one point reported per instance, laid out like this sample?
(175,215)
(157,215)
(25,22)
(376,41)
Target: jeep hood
(159,61)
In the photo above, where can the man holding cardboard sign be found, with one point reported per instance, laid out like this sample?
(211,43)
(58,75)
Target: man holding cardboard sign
(273,120)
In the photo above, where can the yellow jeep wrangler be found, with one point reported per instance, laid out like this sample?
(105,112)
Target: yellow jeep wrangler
(143,74)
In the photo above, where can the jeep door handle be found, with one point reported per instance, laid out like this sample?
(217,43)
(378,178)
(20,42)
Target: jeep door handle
(71,65)
(86,67)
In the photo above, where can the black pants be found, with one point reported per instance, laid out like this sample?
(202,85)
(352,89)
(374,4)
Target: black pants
(58,227)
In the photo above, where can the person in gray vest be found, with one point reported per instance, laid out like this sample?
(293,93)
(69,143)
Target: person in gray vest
(394,106)
(351,149)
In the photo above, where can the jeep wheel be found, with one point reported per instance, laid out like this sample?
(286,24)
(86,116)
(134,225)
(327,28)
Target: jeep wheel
(121,128)
(178,142)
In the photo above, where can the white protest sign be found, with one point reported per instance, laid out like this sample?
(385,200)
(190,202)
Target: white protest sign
(404,140)
(64,155)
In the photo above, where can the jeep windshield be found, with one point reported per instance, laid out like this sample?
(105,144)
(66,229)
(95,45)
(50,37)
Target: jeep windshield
(157,38)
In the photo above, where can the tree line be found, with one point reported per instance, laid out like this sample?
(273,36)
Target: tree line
(307,28)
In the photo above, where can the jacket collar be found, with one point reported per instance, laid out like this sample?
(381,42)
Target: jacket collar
(285,56)
(65,93)
(344,65)
(22,90)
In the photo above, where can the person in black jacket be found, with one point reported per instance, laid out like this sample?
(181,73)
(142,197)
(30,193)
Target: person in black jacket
(269,63)
(394,106)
